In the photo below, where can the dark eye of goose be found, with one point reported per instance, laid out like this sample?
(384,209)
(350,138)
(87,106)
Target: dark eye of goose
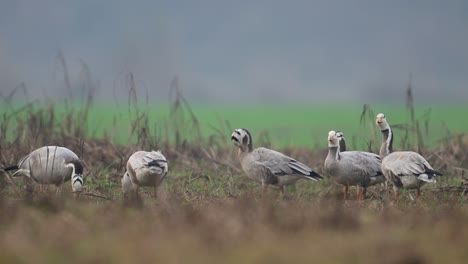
(237,132)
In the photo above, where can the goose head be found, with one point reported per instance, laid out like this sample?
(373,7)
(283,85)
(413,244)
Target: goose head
(77,176)
(382,122)
(242,139)
(341,140)
(333,140)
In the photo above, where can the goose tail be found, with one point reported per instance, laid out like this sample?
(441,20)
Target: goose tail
(10,168)
(314,176)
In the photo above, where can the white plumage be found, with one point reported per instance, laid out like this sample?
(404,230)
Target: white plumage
(51,165)
(144,169)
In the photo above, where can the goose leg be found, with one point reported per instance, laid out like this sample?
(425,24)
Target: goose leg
(418,193)
(364,191)
(359,194)
(396,193)
(345,193)
(397,196)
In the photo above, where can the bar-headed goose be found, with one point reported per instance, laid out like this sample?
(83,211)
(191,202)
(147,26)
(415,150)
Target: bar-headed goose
(144,169)
(268,166)
(404,169)
(352,167)
(51,165)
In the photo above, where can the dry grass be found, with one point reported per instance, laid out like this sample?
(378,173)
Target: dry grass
(245,229)
(207,212)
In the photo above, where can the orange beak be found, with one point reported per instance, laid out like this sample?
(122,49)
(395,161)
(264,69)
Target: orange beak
(379,120)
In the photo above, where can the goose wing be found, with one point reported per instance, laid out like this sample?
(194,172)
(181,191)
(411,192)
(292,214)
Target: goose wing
(153,161)
(367,163)
(280,164)
(408,163)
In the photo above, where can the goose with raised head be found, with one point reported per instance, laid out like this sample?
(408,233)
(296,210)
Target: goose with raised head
(404,169)
(51,165)
(352,167)
(144,169)
(269,167)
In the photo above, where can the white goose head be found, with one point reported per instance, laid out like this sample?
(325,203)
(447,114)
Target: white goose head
(382,122)
(333,141)
(242,139)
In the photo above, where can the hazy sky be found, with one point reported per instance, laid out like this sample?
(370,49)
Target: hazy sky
(266,51)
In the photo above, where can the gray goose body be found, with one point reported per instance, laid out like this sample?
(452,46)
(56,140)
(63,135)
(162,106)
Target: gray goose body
(404,169)
(144,169)
(269,167)
(51,165)
(347,168)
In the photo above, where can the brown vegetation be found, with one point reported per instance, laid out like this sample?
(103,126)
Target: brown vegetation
(207,212)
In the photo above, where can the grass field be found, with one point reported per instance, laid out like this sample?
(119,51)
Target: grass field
(284,126)
(207,211)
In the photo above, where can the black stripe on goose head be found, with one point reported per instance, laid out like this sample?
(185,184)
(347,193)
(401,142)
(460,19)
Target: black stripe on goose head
(247,140)
(78,179)
(341,140)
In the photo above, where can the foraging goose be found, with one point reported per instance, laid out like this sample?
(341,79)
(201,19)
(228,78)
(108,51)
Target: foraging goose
(144,169)
(268,166)
(51,165)
(352,167)
(404,169)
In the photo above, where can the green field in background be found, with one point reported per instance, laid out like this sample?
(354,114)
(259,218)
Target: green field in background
(287,125)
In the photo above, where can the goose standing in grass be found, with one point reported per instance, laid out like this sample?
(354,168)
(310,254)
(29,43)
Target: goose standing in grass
(404,169)
(144,169)
(267,166)
(342,142)
(352,167)
(51,165)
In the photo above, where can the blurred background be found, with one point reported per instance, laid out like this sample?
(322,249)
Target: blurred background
(296,69)
(108,78)
(242,51)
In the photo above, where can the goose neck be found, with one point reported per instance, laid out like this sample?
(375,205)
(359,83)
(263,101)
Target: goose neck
(333,153)
(387,142)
